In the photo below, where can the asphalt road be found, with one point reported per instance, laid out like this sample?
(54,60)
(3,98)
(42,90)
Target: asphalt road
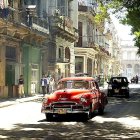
(121,120)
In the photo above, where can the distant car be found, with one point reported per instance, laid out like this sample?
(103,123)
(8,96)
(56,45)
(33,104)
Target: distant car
(133,80)
(118,86)
(77,95)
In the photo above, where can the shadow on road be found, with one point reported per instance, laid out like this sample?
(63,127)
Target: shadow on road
(119,122)
(70,131)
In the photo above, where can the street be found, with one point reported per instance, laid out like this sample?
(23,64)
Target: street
(121,120)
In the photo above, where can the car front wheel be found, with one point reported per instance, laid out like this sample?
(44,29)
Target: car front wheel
(48,116)
(127,95)
(101,110)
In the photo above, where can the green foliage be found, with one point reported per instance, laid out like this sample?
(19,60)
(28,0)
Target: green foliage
(132,15)
(102,14)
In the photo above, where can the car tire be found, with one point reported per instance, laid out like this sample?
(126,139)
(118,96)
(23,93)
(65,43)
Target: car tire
(127,95)
(101,110)
(48,116)
(85,117)
(91,113)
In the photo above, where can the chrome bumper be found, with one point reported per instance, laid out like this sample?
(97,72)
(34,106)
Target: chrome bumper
(65,110)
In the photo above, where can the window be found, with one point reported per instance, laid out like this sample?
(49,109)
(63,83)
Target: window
(10,53)
(137,68)
(62,6)
(80,26)
(124,55)
(129,57)
(79,62)
(60,52)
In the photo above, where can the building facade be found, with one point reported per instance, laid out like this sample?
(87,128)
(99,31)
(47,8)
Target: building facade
(21,44)
(52,37)
(130,61)
(115,52)
(92,49)
(62,16)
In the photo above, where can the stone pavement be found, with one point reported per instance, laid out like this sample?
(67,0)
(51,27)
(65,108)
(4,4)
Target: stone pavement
(12,101)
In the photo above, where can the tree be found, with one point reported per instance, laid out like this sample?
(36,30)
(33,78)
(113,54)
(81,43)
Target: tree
(131,8)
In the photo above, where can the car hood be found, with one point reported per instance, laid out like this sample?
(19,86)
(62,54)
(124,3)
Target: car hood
(69,93)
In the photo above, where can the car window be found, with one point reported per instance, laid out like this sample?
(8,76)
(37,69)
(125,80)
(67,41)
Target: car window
(119,80)
(75,84)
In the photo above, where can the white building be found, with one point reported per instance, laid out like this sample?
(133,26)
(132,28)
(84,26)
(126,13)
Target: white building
(130,61)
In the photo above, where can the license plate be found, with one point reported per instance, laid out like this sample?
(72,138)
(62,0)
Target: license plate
(116,90)
(62,111)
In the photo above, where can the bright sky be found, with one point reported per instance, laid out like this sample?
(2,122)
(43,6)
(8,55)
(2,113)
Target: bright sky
(124,31)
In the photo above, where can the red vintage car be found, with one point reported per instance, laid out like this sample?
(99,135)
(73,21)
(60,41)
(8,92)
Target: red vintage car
(75,95)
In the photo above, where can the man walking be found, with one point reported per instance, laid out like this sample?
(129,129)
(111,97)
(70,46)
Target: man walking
(21,86)
(43,84)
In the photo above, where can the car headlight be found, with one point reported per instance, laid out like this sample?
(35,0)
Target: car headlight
(82,99)
(45,100)
(109,86)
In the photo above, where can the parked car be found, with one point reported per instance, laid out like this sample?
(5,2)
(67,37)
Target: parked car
(77,95)
(118,86)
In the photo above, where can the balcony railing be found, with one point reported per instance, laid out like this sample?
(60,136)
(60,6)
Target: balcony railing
(63,26)
(89,9)
(23,18)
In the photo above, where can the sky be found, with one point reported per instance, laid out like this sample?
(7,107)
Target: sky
(124,31)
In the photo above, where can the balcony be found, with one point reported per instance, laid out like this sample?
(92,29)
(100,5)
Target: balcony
(40,25)
(63,26)
(89,9)
(103,50)
(82,8)
(21,25)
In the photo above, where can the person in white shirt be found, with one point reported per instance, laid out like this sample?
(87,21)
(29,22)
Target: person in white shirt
(51,85)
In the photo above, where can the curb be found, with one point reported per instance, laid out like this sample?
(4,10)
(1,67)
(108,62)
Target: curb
(17,101)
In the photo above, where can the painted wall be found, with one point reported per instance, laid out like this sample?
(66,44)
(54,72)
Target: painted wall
(31,71)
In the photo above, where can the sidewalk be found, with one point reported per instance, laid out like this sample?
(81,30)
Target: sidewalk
(12,101)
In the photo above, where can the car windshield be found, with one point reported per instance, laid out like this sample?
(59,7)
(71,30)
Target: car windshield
(73,84)
(119,80)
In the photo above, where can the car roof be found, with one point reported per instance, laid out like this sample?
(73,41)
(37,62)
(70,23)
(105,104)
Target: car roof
(77,78)
(118,77)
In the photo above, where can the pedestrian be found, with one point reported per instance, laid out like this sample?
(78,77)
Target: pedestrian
(21,86)
(43,82)
(137,79)
(98,79)
(51,85)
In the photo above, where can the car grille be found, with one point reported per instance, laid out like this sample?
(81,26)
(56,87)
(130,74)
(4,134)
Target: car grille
(70,105)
